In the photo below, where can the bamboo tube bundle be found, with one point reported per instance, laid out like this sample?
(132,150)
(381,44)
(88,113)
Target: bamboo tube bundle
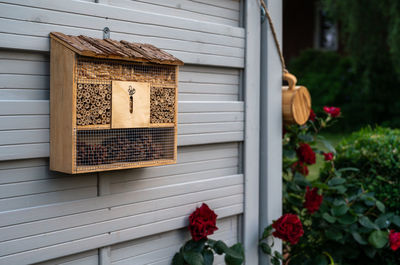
(162,106)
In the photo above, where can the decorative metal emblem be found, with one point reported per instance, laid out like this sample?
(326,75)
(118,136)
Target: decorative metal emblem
(131,91)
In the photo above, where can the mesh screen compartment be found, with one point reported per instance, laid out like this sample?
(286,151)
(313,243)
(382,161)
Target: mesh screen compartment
(97,145)
(96,149)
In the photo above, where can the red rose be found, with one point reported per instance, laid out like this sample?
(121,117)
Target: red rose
(313,200)
(394,239)
(288,228)
(300,167)
(306,154)
(202,222)
(328,156)
(312,116)
(332,111)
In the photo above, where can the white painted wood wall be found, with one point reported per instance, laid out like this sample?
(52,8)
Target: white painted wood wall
(134,216)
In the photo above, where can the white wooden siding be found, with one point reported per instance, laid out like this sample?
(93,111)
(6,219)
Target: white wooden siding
(226,12)
(29,23)
(139,216)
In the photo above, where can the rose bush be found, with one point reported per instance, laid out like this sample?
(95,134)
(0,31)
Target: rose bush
(343,222)
(200,249)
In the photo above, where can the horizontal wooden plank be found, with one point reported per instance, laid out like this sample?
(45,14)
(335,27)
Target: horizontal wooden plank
(123,14)
(229,4)
(71,247)
(69,221)
(24,137)
(24,122)
(198,97)
(85,258)
(114,225)
(205,138)
(34,200)
(24,107)
(24,81)
(185,9)
(187,44)
(105,202)
(9,66)
(228,169)
(43,186)
(34,94)
(186,129)
(24,151)
(227,228)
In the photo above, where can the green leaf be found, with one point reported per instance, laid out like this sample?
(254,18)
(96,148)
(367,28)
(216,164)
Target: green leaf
(278,255)
(267,232)
(366,222)
(329,218)
(265,248)
(208,257)
(328,146)
(178,259)
(383,221)
(396,220)
(336,181)
(321,186)
(333,234)
(339,210)
(378,239)
(339,188)
(196,246)
(357,237)
(289,153)
(320,260)
(380,206)
(220,247)
(370,251)
(275,261)
(235,255)
(347,219)
(193,258)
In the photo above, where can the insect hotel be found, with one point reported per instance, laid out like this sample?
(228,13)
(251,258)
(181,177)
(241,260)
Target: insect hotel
(113,104)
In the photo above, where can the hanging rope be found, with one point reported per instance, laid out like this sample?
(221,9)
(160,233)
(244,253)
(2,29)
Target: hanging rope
(272,27)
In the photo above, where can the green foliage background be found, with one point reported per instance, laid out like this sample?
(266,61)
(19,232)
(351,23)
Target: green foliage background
(366,82)
(376,153)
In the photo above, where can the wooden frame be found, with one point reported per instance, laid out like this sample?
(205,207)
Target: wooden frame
(64,130)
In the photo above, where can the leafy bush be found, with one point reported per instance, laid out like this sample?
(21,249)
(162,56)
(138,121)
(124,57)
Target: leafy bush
(343,222)
(376,153)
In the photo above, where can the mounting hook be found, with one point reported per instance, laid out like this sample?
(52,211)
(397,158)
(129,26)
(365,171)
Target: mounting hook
(263,14)
(106,33)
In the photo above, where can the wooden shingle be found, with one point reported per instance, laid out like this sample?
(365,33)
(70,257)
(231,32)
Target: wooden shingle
(112,49)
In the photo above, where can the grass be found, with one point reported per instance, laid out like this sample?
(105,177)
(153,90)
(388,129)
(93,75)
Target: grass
(334,139)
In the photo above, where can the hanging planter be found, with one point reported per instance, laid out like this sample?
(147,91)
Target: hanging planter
(296,102)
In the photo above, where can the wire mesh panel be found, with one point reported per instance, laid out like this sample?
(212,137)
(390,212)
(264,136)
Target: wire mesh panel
(100,148)
(97,149)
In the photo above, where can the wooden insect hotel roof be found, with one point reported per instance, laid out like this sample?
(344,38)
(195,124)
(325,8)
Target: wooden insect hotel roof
(112,49)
